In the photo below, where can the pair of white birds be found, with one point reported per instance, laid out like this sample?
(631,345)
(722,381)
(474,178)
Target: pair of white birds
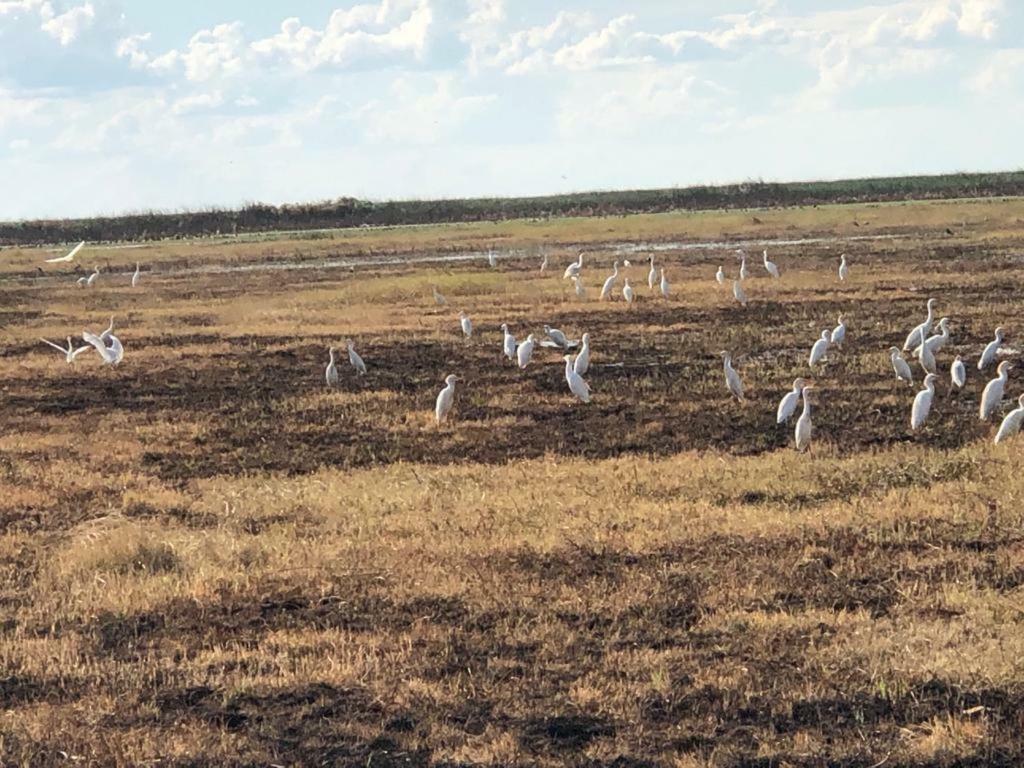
(828,339)
(353,358)
(787,407)
(110,355)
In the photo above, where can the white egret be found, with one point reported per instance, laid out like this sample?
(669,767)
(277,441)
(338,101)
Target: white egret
(582,362)
(573,270)
(738,292)
(445,398)
(925,356)
(558,338)
(508,343)
(993,394)
(581,292)
(354,359)
(69,257)
(839,332)
(627,292)
(903,372)
(787,406)
(804,425)
(1011,424)
(70,352)
(111,355)
(921,331)
(577,385)
(91,280)
(135,275)
(525,351)
(744,273)
(652,276)
(938,341)
(466,324)
(732,379)
(958,373)
(606,289)
(989,355)
(439,298)
(492,259)
(664,284)
(820,348)
(770,266)
(720,276)
(923,402)
(332,370)
(544,263)
(844,268)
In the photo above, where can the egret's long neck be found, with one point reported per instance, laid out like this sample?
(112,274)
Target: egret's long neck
(568,367)
(807,406)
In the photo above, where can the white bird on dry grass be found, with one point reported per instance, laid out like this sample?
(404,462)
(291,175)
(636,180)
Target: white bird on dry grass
(744,273)
(492,259)
(582,362)
(787,406)
(993,394)
(652,276)
(135,275)
(91,280)
(1011,424)
(720,276)
(466,324)
(923,402)
(111,355)
(70,352)
(770,266)
(664,284)
(606,289)
(844,268)
(573,270)
(989,355)
(627,292)
(903,372)
(544,263)
(558,338)
(68,257)
(445,398)
(525,351)
(354,359)
(738,293)
(581,292)
(439,298)
(820,348)
(958,372)
(331,372)
(508,342)
(922,330)
(732,379)
(839,332)
(925,356)
(938,341)
(804,426)
(577,385)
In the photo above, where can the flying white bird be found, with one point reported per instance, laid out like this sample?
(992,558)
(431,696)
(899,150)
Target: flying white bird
(938,341)
(332,370)
(1011,424)
(900,365)
(923,402)
(582,362)
(989,355)
(525,352)
(720,276)
(354,359)
(804,426)
(627,292)
(444,399)
(492,259)
(91,280)
(787,406)
(70,352)
(69,257)
(744,273)
(111,355)
(738,292)
(439,298)
(573,270)
(652,276)
(844,268)
(508,343)
(606,289)
(921,331)
(770,266)
(664,284)
(993,394)
(958,373)
(577,385)
(581,292)
(732,379)
(135,275)
(466,324)
(820,348)
(839,332)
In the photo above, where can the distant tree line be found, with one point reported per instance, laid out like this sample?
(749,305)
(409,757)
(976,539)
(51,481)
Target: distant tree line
(350,212)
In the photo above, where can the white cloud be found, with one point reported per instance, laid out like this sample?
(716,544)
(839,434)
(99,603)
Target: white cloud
(419,116)
(68,26)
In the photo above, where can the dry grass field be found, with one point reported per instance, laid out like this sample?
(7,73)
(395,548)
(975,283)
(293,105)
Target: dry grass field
(207,558)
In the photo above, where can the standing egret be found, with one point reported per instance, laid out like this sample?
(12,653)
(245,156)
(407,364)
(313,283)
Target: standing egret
(70,352)
(466,324)
(606,289)
(804,426)
(444,399)
(720,276)
(582,362)
(525,352)
(508,343)
(577,385)
(899,365)
(135,275)
(923,402)
(69,257)
(111,355)
(744,273)
(958,373)
(91,280)
(332,370)
(732,379)
(938,341)
(921,331)
(652,276)
(839,332)
(1011,424)
(354,359)
(770,266)
(627,292)
(844,268)
(581,292)
(573,270)
(820,348)
(664,284)
(439,298)
(925,356)
(544,263)
(492,259)
(787,406)
(738,293)
(989,355)
(993,394)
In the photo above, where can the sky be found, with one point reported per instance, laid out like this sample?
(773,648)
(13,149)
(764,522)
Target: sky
(109,106)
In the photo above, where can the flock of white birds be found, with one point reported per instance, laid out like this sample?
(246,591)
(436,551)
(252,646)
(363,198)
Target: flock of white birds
(922,346)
